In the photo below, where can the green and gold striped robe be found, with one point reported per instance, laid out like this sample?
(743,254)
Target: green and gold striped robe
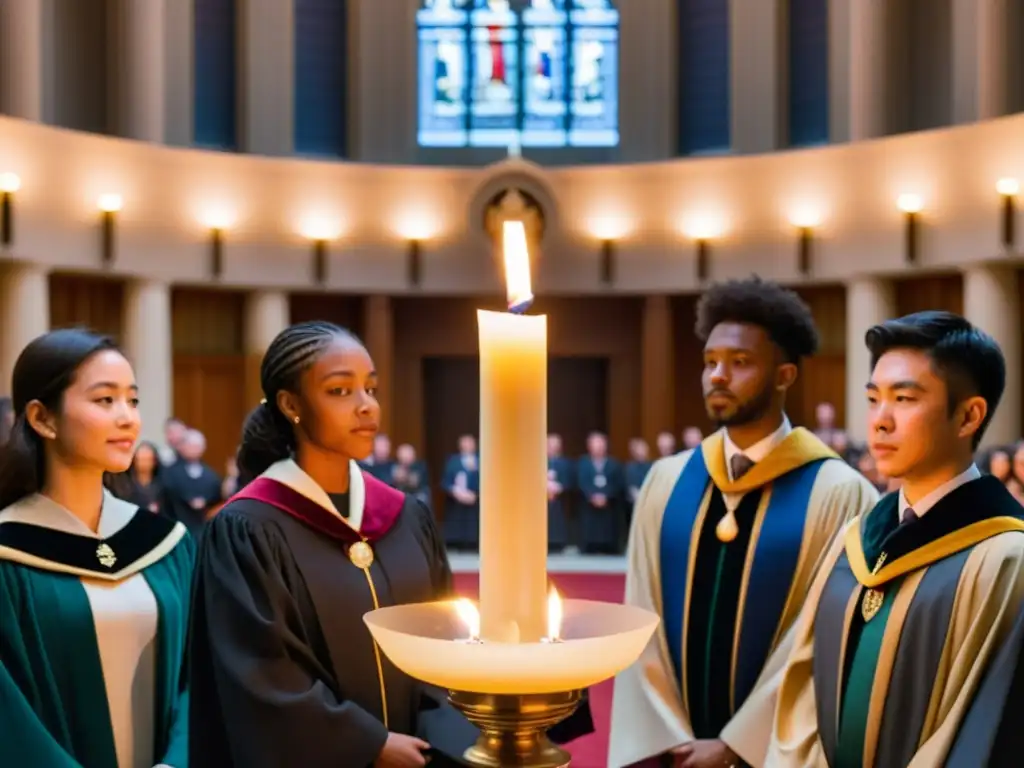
(892,689)
(726,608)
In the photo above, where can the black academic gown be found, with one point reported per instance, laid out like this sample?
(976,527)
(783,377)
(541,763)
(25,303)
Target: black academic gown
(379,468)
(283,669)
(636,473)
(412,480)
(559,471)
(992,733)
(182,489)
(601,527)
(461,521)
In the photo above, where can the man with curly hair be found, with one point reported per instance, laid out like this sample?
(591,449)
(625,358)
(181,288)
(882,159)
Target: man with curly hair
(725,542)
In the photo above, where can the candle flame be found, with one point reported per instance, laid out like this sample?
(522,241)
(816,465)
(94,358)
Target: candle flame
(517,266)
(554,615)
(470,616)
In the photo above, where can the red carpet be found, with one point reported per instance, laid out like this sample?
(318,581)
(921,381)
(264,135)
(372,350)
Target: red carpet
(589,751)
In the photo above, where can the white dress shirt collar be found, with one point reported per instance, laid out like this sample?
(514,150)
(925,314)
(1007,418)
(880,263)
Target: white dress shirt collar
(759,450)
(929,500)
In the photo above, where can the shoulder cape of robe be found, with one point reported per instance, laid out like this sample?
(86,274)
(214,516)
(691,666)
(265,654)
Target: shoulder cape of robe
(284,671)
(893,690)
(52,692)
(795,503)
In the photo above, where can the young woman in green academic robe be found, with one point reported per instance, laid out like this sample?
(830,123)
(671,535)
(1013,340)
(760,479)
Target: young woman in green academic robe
(94,592)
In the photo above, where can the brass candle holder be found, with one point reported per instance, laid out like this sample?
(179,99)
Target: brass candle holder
(513,692)
(513,728)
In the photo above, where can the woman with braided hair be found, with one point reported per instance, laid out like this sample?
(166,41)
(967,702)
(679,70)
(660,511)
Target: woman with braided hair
(285,672)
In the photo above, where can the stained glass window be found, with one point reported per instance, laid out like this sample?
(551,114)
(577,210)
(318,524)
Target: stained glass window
(536,73)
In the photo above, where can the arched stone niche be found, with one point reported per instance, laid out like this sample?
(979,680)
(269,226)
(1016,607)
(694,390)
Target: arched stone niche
(513,190)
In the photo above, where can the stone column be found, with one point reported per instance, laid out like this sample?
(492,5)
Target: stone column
(267,313)
(992,302)
(379,332)
(24,314)
(138,69)
(267,76)
(179,29)
(756,47)
(657,405)
(22,56)
(857,69)
(149,346)
(980,75)
(869,301)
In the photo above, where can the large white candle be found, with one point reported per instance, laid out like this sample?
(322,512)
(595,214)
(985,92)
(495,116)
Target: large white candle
(513,460)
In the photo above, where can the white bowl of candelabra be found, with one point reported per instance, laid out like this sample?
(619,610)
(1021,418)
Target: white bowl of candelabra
(513,692)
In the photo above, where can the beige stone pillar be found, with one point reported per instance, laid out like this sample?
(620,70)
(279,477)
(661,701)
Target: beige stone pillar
(267,313)
(138,69)
(267,76)
(980,75)
(869,301)
(179,29)
(857,69)
(379,332)
(24,314)
(992,302)
(22,56)
(657,407)
(756,48)
(148,344)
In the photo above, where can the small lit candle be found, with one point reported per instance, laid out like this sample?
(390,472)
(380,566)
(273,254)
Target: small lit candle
(554,617)
(470,616)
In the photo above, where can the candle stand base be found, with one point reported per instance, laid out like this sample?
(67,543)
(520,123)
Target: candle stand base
(513,728)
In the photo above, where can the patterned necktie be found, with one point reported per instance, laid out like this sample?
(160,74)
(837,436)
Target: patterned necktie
(909,516)
(740,465)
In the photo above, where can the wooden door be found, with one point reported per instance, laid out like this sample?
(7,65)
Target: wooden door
(577,400)
(939,292)
(451,408)
(207,392)
(577,405)
(96,303)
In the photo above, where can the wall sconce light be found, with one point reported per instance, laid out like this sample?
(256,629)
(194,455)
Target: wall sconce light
(702,230)
(216,251)
(217,223)
(320,260)
(414,259)
(320,232)
(109,205)
(1008,190)
(911,205)
(805,222)
(703,258)
(9,184)
(607,261)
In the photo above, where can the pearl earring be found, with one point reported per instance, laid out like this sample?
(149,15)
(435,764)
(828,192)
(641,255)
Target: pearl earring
(296,419)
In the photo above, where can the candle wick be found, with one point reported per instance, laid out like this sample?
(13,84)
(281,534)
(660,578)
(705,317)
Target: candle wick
(521,307)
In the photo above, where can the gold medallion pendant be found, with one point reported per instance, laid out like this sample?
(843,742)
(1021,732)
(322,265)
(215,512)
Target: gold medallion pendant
(361,555)
(727,528)
(106,555)
(871,604)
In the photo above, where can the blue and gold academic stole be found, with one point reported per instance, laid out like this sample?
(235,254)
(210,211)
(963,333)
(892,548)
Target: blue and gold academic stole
(771,571)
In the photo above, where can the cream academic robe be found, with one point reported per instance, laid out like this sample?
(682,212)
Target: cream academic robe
(989,594)
(649,713)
